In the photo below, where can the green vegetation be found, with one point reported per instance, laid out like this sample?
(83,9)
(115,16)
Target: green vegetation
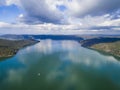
(107,45)
(10,47)
(111,48)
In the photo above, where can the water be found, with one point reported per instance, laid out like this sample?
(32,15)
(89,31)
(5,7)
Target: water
(59,65)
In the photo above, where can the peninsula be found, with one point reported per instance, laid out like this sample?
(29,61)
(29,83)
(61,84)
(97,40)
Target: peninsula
(9,48)
(107,45)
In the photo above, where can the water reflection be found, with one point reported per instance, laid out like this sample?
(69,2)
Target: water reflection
(59,65)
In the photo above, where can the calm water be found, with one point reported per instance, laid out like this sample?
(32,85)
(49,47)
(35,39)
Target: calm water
(59,65)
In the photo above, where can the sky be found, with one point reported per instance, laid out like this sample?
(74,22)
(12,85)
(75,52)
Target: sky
(60,17)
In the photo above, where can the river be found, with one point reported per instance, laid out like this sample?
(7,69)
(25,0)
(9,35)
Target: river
(59,65)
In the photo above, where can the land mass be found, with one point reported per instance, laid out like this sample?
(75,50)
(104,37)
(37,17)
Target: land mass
(9,48)
(43,37)
(107,45)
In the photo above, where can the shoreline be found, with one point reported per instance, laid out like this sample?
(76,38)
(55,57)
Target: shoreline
(11,49)
(111,47)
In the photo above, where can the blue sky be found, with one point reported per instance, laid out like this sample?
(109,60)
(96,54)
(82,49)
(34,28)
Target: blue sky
(9,13)
(60,16)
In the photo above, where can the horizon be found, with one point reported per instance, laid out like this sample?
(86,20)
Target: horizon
(60,44)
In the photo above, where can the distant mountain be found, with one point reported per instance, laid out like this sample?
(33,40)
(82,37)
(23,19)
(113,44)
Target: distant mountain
(52,37)
(57,37)
(12,37)
(92,36)
(104,43)
(90,42)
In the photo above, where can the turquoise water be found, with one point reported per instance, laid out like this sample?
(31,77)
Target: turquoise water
(59,65)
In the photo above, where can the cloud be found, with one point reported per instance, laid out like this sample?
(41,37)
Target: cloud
(10,2)
(62,11)
(2,2)
(15,2)
(47,28)
(80,8)
(38,11)
(65,17)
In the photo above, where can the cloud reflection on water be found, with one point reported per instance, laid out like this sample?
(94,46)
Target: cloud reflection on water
(78,55)
(68,59)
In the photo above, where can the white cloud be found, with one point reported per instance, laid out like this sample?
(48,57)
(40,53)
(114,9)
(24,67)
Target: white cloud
(16,2)
(43,11)
(47,28)
(97,14)
(40,11)
(92,7)
(114,22)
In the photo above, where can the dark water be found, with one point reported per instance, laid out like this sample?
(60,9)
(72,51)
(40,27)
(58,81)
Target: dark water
(59,65)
